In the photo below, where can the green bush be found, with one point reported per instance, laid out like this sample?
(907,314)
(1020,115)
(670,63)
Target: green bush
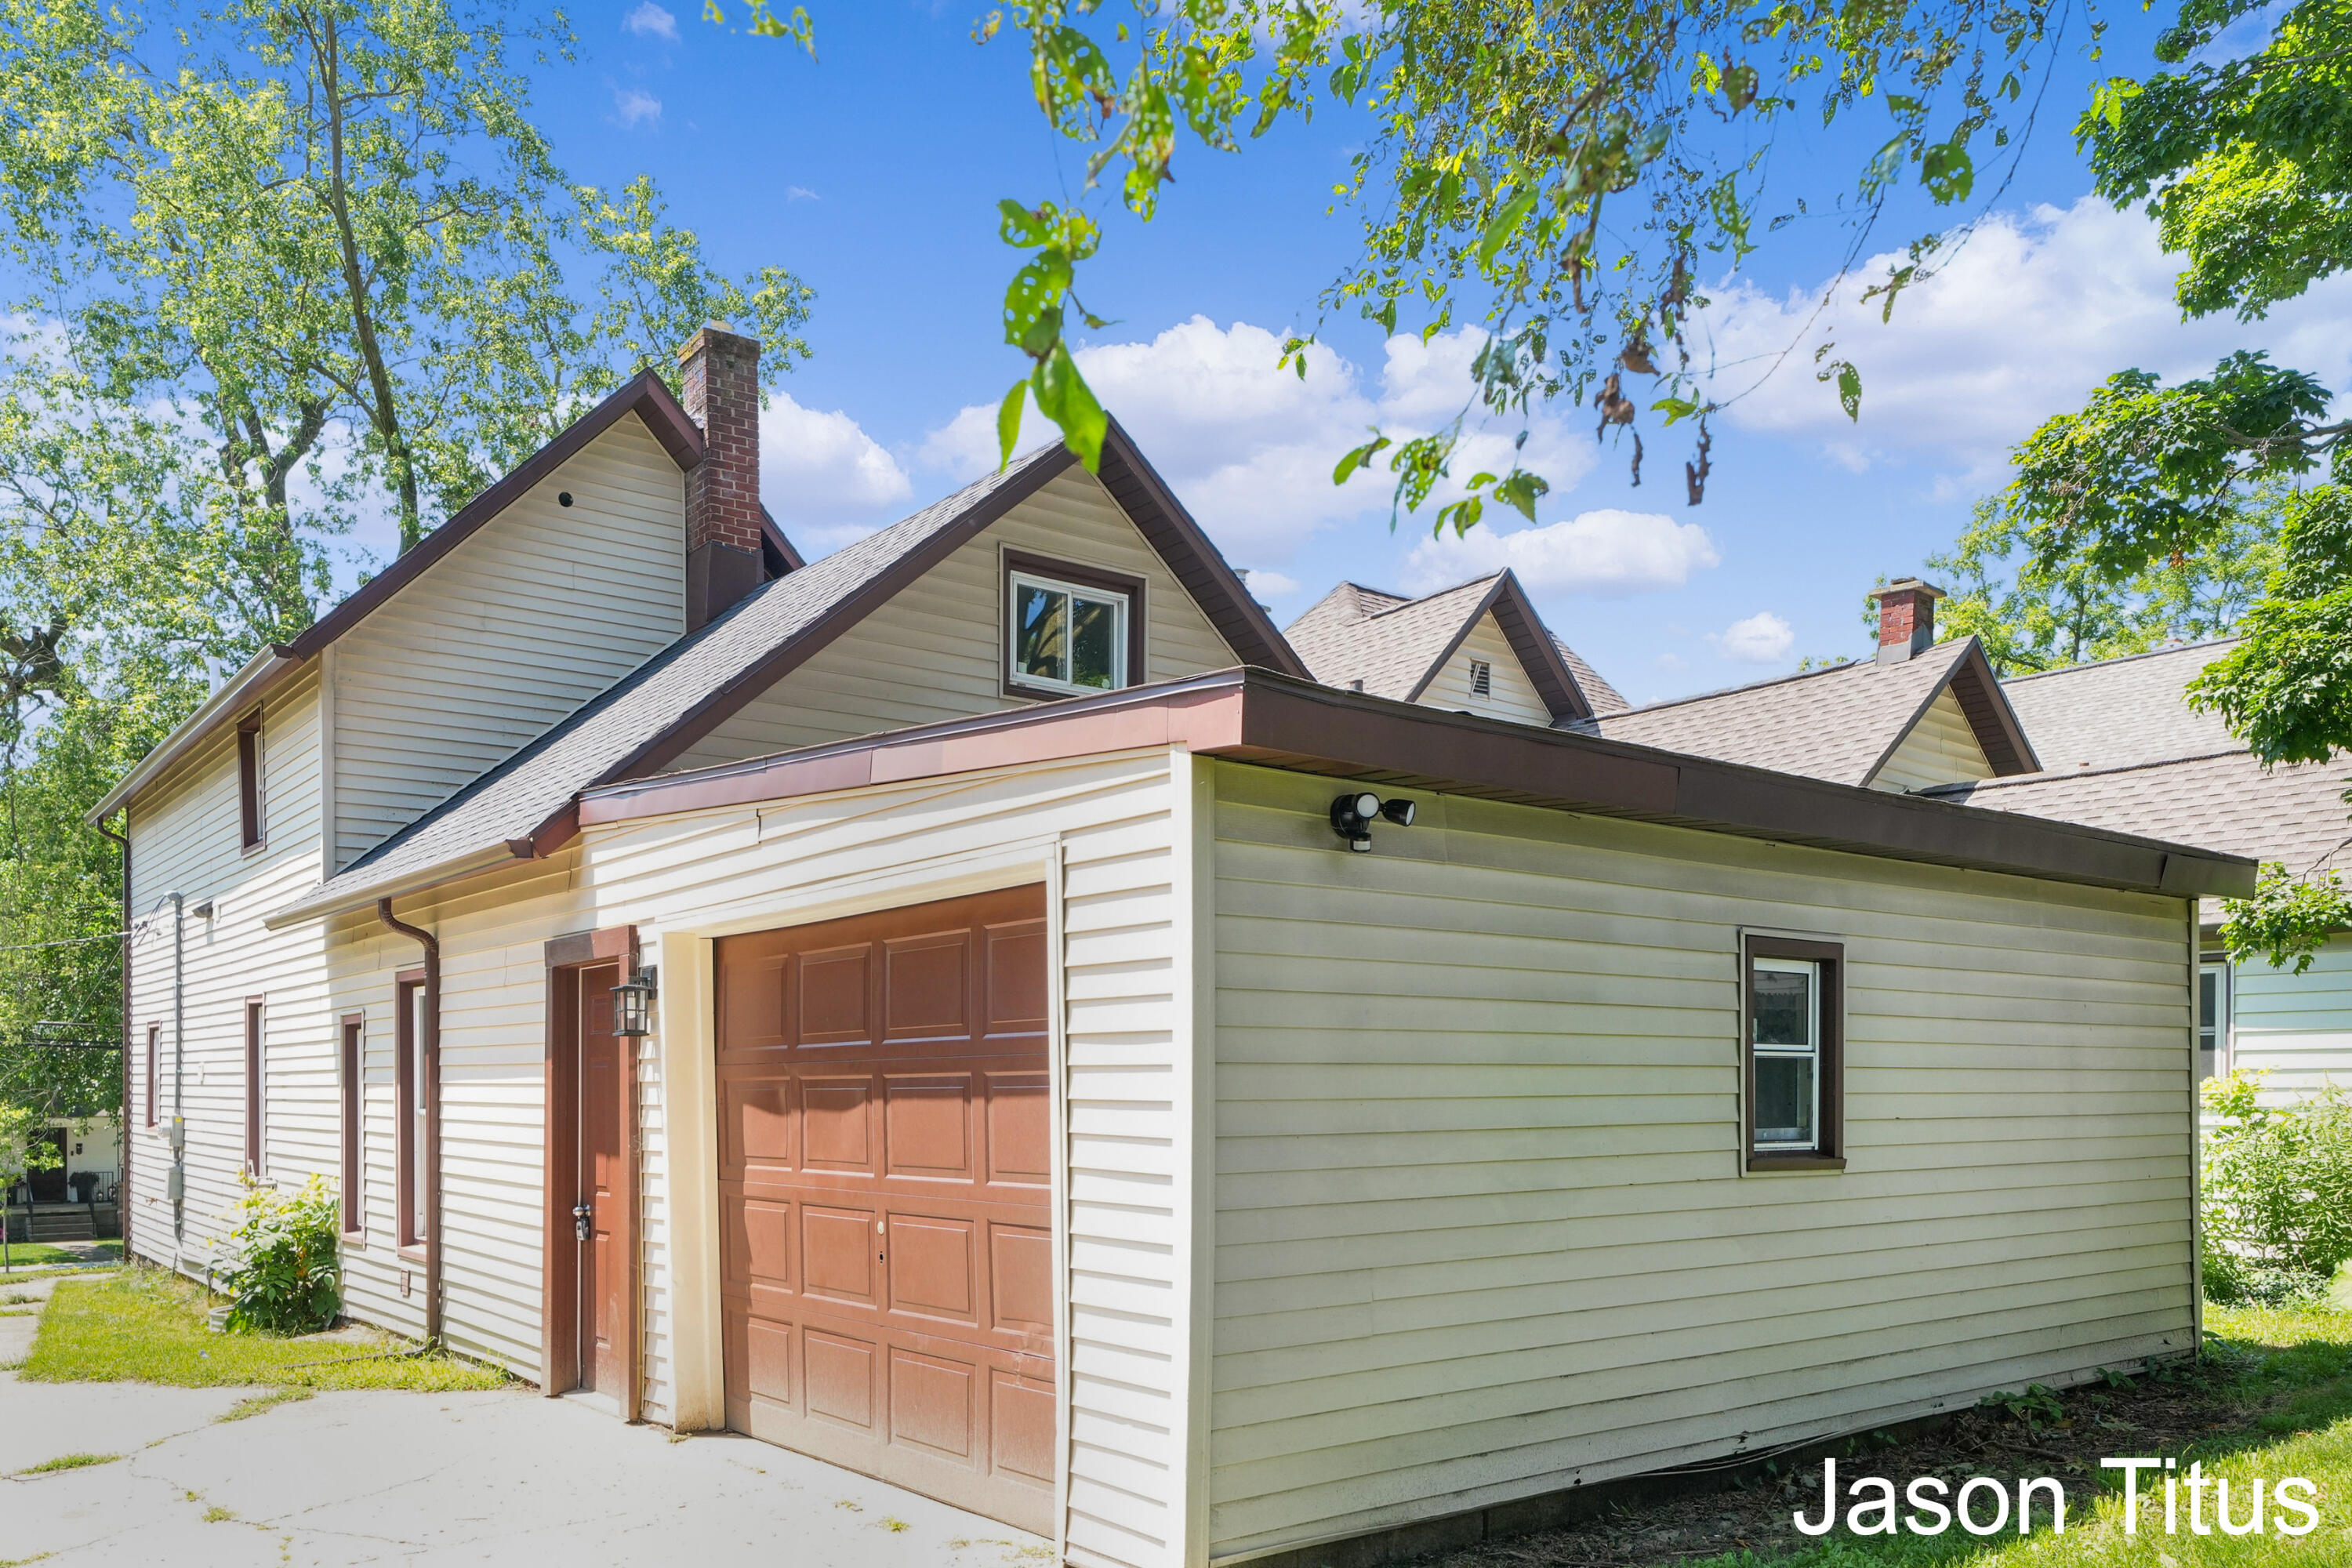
(287,1276)
(2275,1192)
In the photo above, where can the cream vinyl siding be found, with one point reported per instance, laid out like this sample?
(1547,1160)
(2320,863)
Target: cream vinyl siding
(1480,1227)
(936,650)
(184,831)
(2297,1026)
(1941,748)
(542,609)
(1110,821)
(1513,696)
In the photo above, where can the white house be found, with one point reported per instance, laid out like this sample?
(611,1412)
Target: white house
(1093,1070)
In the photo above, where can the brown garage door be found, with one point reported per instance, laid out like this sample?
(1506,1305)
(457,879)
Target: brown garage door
(885,1190)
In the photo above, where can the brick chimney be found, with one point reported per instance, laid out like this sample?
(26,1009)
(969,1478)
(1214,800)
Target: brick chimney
(722,491)
(1907,618)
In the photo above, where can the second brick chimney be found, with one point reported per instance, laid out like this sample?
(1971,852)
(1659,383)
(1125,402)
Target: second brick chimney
(721,393)
(1907,618)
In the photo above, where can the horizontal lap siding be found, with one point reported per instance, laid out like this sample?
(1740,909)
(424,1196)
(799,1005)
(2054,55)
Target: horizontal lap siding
(2297,1026)
(935,651)
(541,610)
(1940,749)
(1511,696)
(1480,1232)
(1112,820)
(184,832)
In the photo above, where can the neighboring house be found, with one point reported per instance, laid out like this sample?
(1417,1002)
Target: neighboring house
(1921,714)
(2122,749)
(1478,647)
(922,1009)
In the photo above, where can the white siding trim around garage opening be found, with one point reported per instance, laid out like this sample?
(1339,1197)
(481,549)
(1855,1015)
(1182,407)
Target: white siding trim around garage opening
(1481,1229)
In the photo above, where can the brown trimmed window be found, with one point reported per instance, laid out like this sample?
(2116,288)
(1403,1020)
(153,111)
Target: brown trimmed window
(1070,630)
(412,1081)
(255,1104)
(353,1064)
(251,828)
(1794,1052)
(153,1057)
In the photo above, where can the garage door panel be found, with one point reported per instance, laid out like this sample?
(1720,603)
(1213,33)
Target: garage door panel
(931,1402)
(885,1181)
(927,1126)
(841,1372)
(759,1122)
(836,1124)
(1020,1427)
(837,1254)
(1016,978)
(1020,1134)
(932,1265)
(926,987)
(834,995)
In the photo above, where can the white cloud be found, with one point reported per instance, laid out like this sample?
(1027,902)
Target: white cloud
(1273,584)
(826,479)
(634,107)
(1250,446)
(1606,552)
(650,21)
(799,193)
(2024,320)
(1760,638)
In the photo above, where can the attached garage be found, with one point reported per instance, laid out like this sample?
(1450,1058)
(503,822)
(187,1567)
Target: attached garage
(885,1181)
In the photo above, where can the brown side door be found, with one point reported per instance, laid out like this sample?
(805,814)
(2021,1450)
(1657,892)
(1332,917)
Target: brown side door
(601,1186)
(885,1183)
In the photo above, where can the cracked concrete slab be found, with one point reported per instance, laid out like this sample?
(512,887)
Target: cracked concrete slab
(445,1479)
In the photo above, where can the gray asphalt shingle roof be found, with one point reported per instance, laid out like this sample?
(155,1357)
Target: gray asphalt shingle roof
(515,799)
(1389,642)
(2123,750)
(1835,723)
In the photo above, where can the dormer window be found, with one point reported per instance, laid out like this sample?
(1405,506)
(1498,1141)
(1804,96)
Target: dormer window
(1070,630)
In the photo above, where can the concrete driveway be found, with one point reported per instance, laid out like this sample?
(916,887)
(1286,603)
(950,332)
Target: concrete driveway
(440,1479)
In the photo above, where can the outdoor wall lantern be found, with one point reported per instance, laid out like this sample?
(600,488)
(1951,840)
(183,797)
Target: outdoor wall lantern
(632,1004)
(1353,814)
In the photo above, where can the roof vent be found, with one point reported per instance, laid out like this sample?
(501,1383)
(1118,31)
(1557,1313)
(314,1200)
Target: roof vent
(1907,618)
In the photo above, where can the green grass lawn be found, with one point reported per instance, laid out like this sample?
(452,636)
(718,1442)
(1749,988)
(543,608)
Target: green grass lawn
(2281,1387)
(147,1326)
(41,1255)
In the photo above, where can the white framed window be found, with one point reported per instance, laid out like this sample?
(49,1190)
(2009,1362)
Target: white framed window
(2213,999)
(1066,636)
(1785,1025)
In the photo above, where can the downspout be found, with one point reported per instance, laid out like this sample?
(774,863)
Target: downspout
(431,1153)
(122,1125)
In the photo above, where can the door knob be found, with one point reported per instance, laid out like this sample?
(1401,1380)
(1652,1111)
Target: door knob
(581,1215)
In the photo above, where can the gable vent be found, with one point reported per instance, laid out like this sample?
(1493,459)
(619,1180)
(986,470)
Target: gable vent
(1482,678)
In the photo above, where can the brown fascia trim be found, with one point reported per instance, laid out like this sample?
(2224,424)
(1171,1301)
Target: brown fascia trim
(1178,540)
(1529,639)
(1258,716)
(646,396)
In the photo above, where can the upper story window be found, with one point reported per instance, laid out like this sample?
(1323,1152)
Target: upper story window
(251,829)
(1070,630)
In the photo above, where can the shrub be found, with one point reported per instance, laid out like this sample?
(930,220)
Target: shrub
(287,1277)
(2276,1194)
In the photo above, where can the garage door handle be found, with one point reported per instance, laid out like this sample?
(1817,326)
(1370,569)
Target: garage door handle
(581,1217)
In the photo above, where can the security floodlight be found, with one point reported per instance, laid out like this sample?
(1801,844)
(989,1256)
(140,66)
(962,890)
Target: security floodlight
(1353,814)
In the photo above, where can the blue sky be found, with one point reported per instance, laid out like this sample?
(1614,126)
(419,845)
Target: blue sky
(874,172)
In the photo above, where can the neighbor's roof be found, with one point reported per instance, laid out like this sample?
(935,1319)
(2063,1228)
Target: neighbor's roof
(2123,750)
(645,395)
(1386,644)
(525,806)
(1841,723)
(1251,715)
